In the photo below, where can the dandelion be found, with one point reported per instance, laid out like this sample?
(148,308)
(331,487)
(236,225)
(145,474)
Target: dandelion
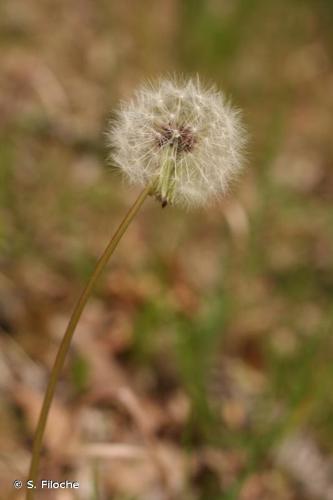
(185,140)
(183,143)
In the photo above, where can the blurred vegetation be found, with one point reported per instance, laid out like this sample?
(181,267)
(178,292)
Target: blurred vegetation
(208,342)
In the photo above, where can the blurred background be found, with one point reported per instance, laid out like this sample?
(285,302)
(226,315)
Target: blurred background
(202,367)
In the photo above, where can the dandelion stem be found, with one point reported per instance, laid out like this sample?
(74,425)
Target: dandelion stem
(65,343)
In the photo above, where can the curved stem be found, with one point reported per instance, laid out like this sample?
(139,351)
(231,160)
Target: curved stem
(65,343)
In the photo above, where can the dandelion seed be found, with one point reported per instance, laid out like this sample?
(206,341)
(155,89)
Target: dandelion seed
(184,139)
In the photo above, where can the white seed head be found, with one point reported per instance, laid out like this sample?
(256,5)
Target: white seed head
(185,140)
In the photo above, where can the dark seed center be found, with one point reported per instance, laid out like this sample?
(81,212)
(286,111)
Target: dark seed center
(182,138)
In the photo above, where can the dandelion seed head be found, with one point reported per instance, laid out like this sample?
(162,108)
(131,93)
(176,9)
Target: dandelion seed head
(184,139)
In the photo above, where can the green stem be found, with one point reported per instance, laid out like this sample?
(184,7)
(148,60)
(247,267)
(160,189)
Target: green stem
(65,343)
(166,177)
